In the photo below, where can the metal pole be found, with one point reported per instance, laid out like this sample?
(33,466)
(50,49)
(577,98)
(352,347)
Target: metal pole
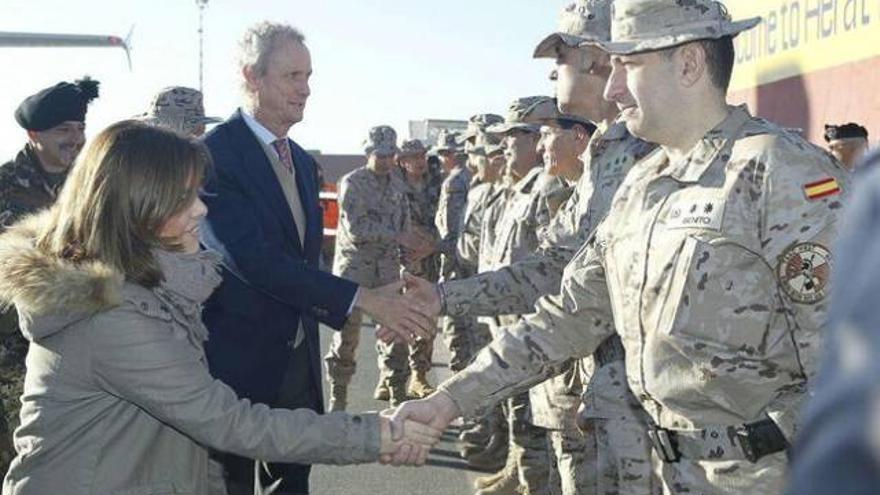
(202,4)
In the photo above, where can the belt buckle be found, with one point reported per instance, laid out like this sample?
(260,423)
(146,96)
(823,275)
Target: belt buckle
(744,438)
(665,443)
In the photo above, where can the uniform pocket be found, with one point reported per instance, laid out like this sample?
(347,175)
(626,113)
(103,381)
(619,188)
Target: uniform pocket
(722,295)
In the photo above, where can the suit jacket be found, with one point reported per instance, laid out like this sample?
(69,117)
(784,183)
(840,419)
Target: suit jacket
(271,281)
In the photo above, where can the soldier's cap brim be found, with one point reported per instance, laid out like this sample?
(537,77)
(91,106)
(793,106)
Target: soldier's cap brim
(464,138)
(211,120)
(547,48)
(491,150)
(505,127)
(672,39)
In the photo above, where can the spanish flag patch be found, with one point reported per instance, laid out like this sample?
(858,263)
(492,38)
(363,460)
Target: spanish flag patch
(822,188)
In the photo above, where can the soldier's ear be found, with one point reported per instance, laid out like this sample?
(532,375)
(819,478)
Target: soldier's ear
(33,136)
(691,63)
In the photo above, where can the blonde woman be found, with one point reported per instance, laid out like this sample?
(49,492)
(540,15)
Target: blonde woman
(108,285)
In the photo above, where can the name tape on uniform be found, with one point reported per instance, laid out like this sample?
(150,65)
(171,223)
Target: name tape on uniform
(696,212)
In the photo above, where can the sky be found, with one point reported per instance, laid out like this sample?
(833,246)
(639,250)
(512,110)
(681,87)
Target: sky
(375,61)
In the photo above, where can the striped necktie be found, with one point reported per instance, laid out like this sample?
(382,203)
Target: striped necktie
(284,155)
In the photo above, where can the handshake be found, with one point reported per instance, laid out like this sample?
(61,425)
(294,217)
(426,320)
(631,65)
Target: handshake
(409,432)
(404,310)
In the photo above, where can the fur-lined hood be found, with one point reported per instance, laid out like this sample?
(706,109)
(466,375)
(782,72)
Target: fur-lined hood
(50,293)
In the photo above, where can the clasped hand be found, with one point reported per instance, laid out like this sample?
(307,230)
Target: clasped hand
(416,426)
(407,442)
(417,293)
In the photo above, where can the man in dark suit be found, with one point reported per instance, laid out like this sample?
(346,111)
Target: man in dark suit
(264,217)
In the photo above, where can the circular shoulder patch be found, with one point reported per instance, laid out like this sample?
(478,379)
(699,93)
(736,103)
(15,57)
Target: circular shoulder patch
(804,270)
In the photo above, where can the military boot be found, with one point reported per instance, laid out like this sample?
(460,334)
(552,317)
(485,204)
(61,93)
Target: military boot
(506,485)
(489,480)
(419,388)
(381,392)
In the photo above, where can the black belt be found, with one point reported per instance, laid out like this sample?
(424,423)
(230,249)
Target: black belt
(751,442)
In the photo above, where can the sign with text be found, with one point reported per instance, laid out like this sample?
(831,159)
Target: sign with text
(802,36)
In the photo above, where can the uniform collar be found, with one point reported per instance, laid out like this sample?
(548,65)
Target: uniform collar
(710,147)
(525,185)
(614,132)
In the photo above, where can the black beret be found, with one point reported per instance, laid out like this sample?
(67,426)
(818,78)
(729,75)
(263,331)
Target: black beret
(845,131)
(56,104)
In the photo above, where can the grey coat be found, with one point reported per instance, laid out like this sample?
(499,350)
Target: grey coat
(118,398)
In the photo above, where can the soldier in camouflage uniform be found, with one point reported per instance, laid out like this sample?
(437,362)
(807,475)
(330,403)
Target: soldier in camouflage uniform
(581,76)
(510,232)
(372,219)
(485,444)
(180,109)
(54,119)
(422,195)
(489,189)
(486,158)
(448,151)
(712,265)
(450,207)
(457,332)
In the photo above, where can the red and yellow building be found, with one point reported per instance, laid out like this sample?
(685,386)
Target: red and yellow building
(810,62)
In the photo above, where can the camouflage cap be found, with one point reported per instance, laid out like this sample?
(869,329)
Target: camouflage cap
(382,141)
(412,147)
(484,144)
(584,20)
(526,114)
(447,140)
(646,25)
(478,124)
(178,108)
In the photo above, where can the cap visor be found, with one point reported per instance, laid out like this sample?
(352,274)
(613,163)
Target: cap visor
(651,44)
(547,47)
(507,127)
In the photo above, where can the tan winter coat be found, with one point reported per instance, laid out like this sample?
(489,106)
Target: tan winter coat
(118,398)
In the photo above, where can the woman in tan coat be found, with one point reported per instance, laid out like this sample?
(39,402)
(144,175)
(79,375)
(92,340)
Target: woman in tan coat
(108,285)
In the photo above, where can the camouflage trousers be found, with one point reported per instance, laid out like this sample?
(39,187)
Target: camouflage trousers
(529,449)
(766,477)
(575,454)
(394,360)
(616,421)
(464,337)
(421,354)
(340,358)
(622,463)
